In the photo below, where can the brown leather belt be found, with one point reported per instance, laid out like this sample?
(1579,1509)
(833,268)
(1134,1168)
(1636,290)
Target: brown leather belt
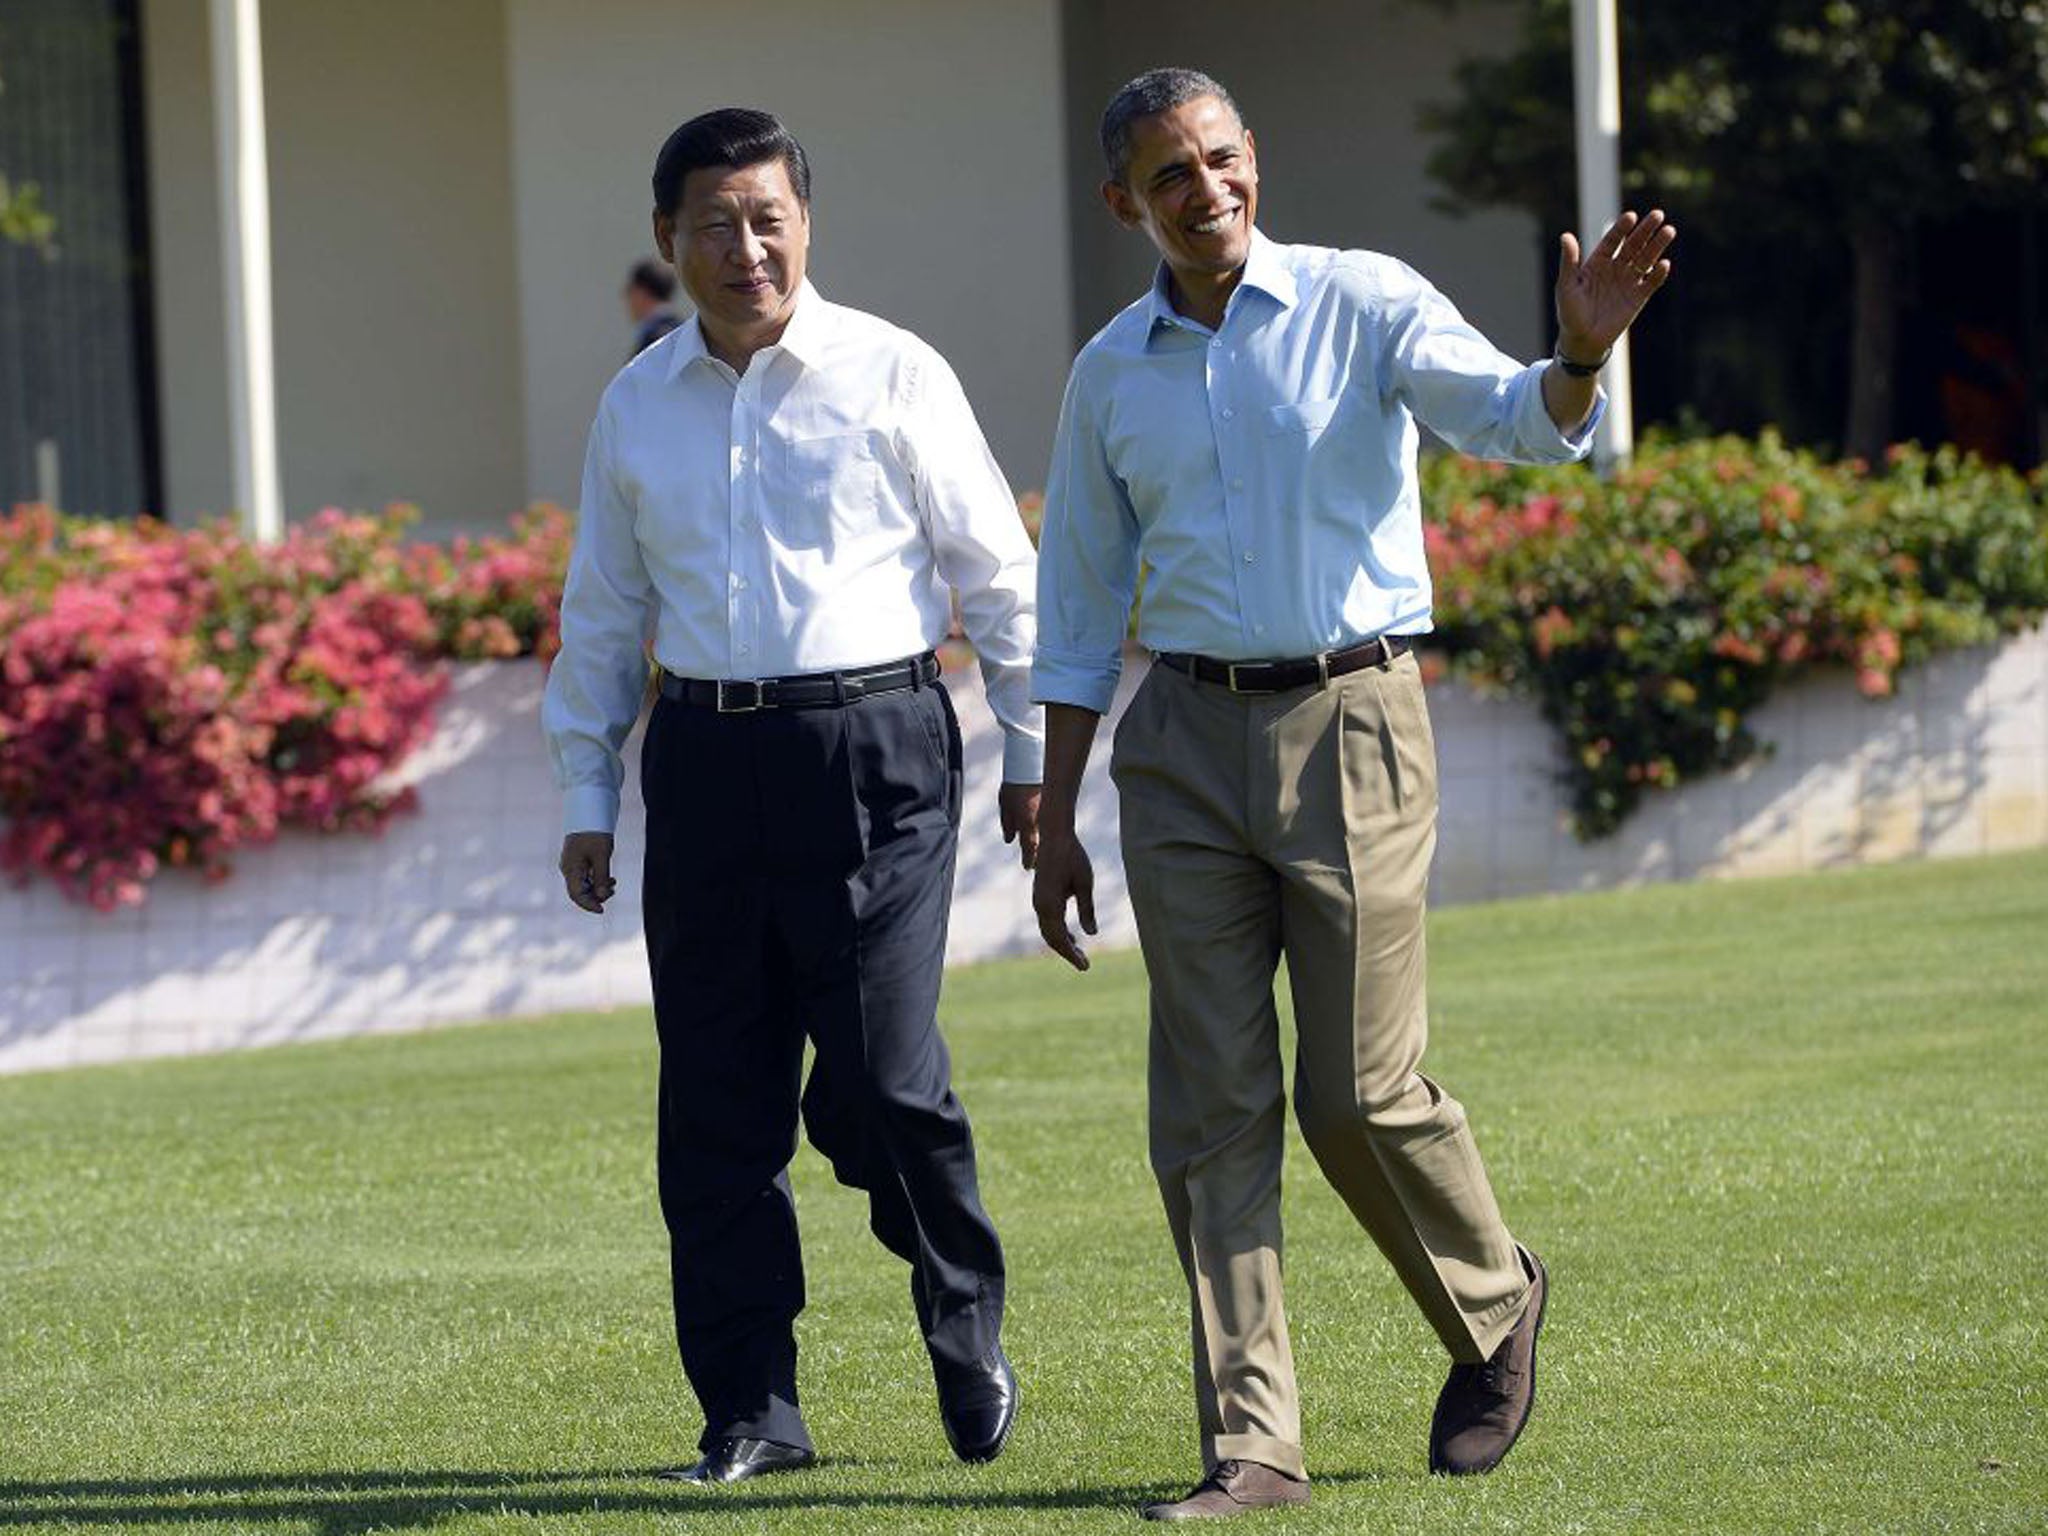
(812,690)
(1280,676)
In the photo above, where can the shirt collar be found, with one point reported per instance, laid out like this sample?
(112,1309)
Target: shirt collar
(803,338)
(1264,269)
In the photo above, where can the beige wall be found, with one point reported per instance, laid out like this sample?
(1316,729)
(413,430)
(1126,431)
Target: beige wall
(458,188)
(935,136)
(184,214)
(398,358)
(1330,89)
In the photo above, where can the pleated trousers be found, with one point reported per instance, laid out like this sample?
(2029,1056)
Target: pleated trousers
(1296,825)
(798,877)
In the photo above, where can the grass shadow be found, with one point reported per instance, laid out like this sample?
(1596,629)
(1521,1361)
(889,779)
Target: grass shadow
(354,1503)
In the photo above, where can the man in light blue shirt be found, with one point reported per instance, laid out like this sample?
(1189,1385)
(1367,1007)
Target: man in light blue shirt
(1245,435)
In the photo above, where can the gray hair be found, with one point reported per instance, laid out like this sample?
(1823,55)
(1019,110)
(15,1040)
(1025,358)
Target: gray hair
(1155,91)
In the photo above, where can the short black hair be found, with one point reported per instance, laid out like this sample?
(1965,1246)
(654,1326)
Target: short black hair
(1153,92)
(735,137)
(652,278)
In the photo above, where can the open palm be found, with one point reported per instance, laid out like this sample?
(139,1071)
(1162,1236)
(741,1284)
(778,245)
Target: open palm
(1598,298)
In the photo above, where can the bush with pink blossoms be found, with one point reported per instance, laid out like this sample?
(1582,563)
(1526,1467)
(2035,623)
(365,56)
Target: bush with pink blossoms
(168,696)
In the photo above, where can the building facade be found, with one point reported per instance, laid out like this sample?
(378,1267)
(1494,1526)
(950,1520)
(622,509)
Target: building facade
(457,188)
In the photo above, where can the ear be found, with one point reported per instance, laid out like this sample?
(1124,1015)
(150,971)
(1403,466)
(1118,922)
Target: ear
(665,235)
(1251,153)
(1123,207)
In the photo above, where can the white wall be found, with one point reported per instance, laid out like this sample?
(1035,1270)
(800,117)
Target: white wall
(1330,89)
(935,134)
(457,913)
(398,354)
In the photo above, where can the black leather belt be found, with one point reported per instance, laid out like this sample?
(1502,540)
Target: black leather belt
(813,690)
(1279,676)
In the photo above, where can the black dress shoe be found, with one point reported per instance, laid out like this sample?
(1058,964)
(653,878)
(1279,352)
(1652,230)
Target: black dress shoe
(978,1405)
(1482,1408)
(737,1459)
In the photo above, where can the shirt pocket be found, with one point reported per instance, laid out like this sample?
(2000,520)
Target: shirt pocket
(1299,417)
(832,486)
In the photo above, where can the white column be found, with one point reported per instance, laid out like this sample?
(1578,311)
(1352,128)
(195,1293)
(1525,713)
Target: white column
(49,474)
(1596,91)
(245,249)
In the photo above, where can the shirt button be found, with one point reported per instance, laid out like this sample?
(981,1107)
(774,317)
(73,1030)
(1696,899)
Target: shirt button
(744,648)
(1237,484)
(1228,413)
(1249,557)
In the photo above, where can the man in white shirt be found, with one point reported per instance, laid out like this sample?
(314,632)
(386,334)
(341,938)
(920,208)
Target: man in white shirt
(1245,434)
(784,494)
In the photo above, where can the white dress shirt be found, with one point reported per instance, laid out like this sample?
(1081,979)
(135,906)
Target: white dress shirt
(1264,472)
(808,515)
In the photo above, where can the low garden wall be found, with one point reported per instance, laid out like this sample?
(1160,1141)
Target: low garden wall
(456,912)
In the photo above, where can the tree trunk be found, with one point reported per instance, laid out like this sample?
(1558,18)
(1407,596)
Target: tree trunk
(1874,339)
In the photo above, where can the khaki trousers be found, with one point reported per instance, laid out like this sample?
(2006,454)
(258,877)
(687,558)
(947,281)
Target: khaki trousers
(1297,824)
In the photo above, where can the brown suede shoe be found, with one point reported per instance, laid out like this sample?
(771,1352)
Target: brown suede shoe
(1233,1488)
(1483,1407)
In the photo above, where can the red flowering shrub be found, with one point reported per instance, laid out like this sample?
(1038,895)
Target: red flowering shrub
(1650,615)
(167,696)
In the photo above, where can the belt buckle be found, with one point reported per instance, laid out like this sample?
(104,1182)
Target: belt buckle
(747,708)
(1231,669)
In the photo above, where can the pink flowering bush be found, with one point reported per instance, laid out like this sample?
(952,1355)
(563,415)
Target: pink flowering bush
(1650,615)
(168,696)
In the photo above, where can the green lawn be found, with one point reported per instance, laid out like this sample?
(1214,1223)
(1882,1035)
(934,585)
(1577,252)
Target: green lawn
(1784,1146)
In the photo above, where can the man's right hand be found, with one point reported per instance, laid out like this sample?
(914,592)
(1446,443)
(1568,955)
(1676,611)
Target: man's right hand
(1063,871)
(587,869)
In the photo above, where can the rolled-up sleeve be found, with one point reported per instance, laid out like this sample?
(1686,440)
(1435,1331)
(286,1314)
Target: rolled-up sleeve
(1463,388)
(1087,562)
(983,553)
(599,679)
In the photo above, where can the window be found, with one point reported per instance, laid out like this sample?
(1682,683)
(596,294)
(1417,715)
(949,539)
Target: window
(77,373)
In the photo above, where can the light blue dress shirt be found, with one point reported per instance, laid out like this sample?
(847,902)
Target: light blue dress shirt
(1263,473)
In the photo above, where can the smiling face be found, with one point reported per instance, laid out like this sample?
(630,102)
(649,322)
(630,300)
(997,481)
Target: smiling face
(738,239)
(1192,185)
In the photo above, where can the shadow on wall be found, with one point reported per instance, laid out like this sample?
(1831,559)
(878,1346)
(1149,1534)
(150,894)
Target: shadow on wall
(1957,763)
(453,913)
(458,913)
(992,913)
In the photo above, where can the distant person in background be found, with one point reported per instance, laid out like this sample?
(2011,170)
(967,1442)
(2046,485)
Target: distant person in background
(650,290)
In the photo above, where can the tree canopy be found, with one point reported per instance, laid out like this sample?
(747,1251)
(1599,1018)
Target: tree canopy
(1822,128)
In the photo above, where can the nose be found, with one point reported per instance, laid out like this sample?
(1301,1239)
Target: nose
(1209,184)
(749,250)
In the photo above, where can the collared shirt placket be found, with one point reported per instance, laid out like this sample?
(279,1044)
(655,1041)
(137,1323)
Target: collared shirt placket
(1232,463)
(743,615)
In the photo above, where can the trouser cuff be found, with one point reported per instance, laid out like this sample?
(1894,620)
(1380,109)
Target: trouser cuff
(778,1419)
(1280,1455)
(1497,1322)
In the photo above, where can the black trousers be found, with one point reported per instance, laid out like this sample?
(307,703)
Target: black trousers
(798,879)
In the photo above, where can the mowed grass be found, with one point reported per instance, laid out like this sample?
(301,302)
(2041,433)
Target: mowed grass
(1784,1146)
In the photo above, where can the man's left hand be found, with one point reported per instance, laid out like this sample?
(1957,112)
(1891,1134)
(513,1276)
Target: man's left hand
(1019,806)
(1598,298)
